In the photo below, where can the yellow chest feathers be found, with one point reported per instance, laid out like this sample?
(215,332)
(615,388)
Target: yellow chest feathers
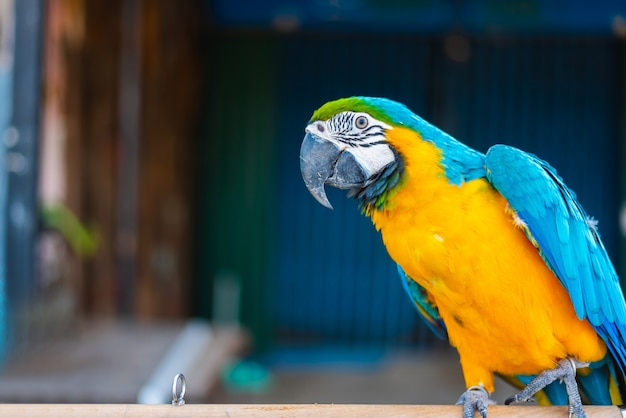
(430,222)
(442,228)
(462,244)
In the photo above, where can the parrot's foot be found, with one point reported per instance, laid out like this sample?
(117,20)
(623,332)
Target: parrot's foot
(566,371)
(473,399)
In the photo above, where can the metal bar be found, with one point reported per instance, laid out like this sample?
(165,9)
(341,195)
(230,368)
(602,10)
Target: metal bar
(7,10)
(130,131)
(22,148)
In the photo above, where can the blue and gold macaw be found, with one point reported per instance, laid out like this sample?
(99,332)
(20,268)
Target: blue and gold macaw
(494,250)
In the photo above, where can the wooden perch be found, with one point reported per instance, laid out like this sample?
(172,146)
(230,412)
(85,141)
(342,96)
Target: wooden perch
(243,410)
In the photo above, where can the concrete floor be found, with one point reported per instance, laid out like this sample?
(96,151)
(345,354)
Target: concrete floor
(109,362)
(424,377)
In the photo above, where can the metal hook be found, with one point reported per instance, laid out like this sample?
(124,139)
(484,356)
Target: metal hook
(178,398)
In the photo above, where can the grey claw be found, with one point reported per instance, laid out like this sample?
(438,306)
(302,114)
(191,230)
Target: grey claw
(565,370)
(516,399)
(474,399)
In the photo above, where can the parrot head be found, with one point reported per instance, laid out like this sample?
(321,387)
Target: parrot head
(346,147)
(366,144)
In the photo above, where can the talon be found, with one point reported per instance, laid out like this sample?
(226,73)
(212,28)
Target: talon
(517,399)
(566,371)
(476,398)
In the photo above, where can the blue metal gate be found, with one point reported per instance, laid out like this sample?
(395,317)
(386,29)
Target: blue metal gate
(332,281)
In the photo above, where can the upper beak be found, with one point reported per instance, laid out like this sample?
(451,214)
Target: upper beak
(324,162)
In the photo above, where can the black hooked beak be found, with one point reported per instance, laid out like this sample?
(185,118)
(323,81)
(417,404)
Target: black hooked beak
(324,162)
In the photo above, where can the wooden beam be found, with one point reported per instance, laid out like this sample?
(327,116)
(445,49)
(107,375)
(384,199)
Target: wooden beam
(242,410)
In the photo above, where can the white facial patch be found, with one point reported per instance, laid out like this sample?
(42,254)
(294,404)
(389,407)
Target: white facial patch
(350,128)
(373,158)
(319,128)
(359,134)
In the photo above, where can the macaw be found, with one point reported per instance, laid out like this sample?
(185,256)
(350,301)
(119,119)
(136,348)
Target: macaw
(493,249)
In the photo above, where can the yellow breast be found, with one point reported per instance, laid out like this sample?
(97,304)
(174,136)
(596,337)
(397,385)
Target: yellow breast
(505,311)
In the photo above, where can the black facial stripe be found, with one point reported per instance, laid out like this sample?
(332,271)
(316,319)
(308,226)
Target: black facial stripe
(369,128)
(346,141)
(371,134)
(359,136)
(341,128)
(358,142)
(371,144)
(342,123)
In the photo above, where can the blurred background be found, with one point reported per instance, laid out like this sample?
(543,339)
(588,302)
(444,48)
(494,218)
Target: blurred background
(152,215)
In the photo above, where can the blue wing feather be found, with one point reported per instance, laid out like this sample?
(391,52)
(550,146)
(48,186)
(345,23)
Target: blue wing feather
(426,309)
(565,237)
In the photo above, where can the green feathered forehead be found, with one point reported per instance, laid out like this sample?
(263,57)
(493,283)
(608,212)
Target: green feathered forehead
(353,104)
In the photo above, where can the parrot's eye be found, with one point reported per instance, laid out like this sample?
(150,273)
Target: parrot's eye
(361,122)
(320,127)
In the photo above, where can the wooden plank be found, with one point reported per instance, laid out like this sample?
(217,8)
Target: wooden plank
(383,411)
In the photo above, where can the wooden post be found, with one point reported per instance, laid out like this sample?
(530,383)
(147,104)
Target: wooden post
(241,410)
